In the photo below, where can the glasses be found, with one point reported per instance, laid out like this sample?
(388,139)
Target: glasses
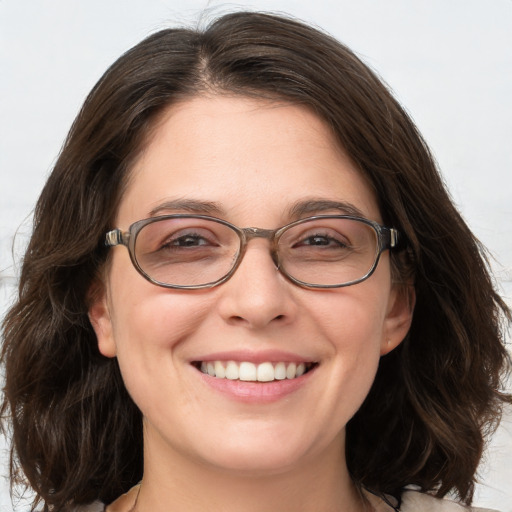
(198,251)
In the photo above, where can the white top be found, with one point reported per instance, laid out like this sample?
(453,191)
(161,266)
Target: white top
(412,501)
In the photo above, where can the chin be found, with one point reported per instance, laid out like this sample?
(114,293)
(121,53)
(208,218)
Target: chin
(258,463)
(252,453)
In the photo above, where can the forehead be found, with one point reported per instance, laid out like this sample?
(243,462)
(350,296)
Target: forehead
(246,155)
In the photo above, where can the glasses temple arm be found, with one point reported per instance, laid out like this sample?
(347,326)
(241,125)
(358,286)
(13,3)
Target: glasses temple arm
(391,238)
(116,237)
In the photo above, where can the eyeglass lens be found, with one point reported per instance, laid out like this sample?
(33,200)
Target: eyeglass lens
(193,252)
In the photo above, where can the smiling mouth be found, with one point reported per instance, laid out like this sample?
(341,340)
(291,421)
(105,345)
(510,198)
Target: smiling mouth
(251,372)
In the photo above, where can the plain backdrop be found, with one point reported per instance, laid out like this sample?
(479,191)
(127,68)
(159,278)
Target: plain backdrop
(448,61)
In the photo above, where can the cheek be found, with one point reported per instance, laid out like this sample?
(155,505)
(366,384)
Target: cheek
(353,322)
(146,316)
(143,324)
(150,325)
(351,318)
(150,334)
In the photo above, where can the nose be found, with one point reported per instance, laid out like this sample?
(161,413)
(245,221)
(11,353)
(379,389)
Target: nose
(257,294)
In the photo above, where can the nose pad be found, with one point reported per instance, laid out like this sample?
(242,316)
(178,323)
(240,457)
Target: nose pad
(257,294)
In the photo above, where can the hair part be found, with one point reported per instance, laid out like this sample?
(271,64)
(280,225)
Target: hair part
(77,435)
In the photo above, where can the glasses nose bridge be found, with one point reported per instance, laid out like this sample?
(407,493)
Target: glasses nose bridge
(247,234)
(250,233)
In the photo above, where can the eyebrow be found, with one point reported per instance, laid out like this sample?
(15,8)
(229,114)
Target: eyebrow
(315,206)
(296,211)
(188,205)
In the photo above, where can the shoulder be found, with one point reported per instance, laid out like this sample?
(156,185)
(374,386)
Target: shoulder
(413,501)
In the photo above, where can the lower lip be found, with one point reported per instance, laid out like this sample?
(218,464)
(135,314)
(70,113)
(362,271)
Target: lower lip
(257,392)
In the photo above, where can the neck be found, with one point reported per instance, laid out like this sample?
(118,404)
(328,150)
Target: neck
(320,483)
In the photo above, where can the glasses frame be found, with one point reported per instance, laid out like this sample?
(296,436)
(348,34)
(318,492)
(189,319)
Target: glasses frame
(387,238)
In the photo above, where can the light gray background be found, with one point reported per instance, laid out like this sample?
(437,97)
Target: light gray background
(448,61)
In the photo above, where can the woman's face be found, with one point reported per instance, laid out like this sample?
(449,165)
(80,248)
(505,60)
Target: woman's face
(251,163)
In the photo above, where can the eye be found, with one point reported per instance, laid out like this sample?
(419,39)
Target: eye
(191,239)
(320,241)
(328,239)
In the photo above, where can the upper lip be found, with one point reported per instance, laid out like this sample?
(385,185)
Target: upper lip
(256,357)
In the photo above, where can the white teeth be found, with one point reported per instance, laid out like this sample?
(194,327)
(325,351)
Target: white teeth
(265,372)
(247,371)
(220,371)
(280,371)
(291,371)
(250,372)
(232,371)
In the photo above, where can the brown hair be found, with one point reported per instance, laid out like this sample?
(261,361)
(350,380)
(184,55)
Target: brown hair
(77,436)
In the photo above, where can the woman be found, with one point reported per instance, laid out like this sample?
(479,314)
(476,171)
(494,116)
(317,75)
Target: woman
(290,326)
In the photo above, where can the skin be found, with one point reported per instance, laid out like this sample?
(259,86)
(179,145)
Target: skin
(204,449)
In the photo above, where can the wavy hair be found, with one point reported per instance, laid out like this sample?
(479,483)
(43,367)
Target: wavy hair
(77,435)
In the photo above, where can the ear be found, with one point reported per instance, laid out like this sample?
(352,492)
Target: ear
(100,318)
(398,318)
